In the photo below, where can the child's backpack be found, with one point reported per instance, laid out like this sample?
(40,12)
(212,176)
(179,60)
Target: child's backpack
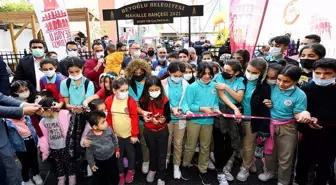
(86,84)
(58,80)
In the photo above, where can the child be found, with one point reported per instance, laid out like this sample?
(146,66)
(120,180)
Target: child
(122,73)
(104,92)
(19,90)
(104,149)
(51,81)
(288,103)
(256,90)
(226,131)
(188,74)
(156,132)
(122,116)
(243,56)
(272,73)
(175,87)
(23,139)
(200,128)
(54,126)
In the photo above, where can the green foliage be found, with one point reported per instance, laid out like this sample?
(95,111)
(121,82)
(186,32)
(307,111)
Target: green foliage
(18,6)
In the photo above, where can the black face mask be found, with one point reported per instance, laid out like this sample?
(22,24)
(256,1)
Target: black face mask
(226,75)
(138,78)
(307,63)
(150,53)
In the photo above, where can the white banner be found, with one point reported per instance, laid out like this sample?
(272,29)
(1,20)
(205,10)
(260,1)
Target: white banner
(54,22)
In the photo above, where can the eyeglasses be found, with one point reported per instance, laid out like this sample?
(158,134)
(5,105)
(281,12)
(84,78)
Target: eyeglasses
(37,47)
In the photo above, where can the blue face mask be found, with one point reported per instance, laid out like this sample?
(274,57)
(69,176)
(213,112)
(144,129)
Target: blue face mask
(176,80)
(323,83)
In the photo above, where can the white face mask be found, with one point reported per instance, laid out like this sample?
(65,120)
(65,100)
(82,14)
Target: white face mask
(271,82)
(155,94)
(76,77)
(50,73)
(207,61)
(323,83)
(251,77)
(123,95)
(23,95)
(72,54)
(275,52)
(290,88)
(162,59)
(136,54)
(155,73)
(100,54)
(187,76)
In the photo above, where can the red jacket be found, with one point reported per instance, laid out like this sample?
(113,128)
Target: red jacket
(133,114)
(91,74)
(164,111)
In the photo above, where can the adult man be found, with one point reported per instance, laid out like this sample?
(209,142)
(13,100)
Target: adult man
(151,52)
(4,77)
(202,45)
(135,53)
(161,59)
(11,108)
(114,59)
(186,43)
(184,55)
(309,39)
(72,51)
(194,59)
(317,144)
(279,45)
(28,68)
(94,67)
(171,57)
(263,51)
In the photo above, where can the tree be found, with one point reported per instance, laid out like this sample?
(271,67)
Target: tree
(19,6)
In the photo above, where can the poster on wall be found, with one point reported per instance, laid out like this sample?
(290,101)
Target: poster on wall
(246,19)
(54,22)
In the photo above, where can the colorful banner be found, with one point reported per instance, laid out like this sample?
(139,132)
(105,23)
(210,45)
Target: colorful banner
(54,22)
(246,19)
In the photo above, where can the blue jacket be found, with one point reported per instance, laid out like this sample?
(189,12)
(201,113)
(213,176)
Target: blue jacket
(15,138)
(125,62)
(156,63)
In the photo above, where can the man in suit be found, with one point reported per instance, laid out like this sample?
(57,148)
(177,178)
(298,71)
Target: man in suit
(28,68)
(11,108)
(186,43)
(202,45)
(134,49)
(4,77)
(194,58)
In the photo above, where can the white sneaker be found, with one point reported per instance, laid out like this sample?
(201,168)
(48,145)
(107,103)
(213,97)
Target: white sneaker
(145,167)
(243,174)
(167,162)
(151,176)
(30,182)
(212,156)
(211,165)
(222,179)
(228,176)
(37,179)
(160,182)
(253,168)
(266,176)
(177,172)
(228,166)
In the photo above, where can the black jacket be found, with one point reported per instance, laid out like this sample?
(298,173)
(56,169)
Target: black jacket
(25,70)
(258,108)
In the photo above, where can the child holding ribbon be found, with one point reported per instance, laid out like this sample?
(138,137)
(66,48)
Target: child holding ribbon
(156,133)
(288,105)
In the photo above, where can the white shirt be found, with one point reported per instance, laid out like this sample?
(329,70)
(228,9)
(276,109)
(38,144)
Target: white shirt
(194,61)
(38,74)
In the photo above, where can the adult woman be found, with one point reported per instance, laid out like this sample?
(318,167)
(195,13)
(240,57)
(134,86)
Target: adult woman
(137,71)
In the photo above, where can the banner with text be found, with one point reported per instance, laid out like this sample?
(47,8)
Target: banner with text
(54,22)
(246,19)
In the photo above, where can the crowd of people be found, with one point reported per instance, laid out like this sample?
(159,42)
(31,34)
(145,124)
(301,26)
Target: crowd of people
(165,104)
